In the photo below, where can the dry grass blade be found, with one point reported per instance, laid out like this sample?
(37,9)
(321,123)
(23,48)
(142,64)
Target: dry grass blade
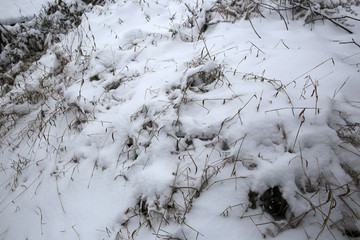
(304,74)
(338,90)
(192,228)
(327,217)
(227,179)
(77,234)
(325,17)
(92,173)
(297,133)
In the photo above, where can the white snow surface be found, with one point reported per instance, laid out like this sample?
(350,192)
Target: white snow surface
(154,131)
(12,11)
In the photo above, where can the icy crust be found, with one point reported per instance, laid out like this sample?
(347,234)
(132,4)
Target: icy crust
(142,124)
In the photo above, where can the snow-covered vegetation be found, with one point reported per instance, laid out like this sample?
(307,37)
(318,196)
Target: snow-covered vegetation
(157,119)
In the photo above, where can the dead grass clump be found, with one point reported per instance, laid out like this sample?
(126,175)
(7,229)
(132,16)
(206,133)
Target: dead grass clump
(203,78)
(24,43)
(150,212)
(350,133)
(237,9)
(308,10)
(204,75)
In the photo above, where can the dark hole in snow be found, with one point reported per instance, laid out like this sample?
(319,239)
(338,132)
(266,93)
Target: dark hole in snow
(129,142)
(204,27)
(355,233)
(143,206)
(189,141)
(224,146)
(253,197)
(274,203)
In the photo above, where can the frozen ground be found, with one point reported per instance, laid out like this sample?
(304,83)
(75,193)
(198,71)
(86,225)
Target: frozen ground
(175,120)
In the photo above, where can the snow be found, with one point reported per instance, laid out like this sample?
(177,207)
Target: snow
(152,131)
(15,11)
(18,10)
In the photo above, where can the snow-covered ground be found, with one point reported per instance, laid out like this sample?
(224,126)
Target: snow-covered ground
(12,11)
(177,120)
